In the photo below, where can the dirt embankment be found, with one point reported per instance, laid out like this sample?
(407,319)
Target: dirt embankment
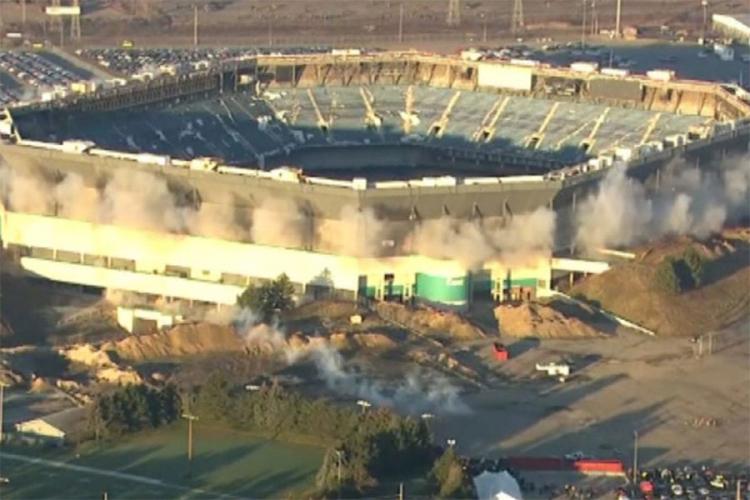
(547,321)
(629,289)
(430,322)
(182,340)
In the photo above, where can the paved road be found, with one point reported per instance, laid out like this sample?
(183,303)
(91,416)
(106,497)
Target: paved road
(114,474)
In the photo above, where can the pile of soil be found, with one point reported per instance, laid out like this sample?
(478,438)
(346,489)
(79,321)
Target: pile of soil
(371,341)
(430,322)
(182,340)
(629,289)
(104,367)
(530,319)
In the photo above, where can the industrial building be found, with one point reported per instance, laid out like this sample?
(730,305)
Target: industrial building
(399,139)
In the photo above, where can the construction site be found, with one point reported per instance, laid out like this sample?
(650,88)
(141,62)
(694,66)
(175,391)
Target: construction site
(477,240)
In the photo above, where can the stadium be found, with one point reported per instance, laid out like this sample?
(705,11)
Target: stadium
(386,175)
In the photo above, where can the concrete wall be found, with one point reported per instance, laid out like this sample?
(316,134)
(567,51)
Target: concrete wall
(211,270)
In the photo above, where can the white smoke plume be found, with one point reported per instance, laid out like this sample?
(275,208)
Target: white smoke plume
(357,232)
(691,201)
(130,198)
(279,222)
(523,239)
(417,393)
(25,192)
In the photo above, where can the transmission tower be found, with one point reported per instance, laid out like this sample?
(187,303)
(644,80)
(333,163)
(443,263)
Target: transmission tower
(517,22)
(454,12)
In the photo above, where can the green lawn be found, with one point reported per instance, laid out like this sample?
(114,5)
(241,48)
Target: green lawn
(225,462)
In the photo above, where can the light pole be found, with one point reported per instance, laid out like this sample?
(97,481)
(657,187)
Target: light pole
(451,442)
(339,455)
(2,403)
(190,418)
(364,405)
(483,16)
(704,4)
(635,457)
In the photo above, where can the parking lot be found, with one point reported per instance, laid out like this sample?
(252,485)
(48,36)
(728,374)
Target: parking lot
(25,75)
(175,61)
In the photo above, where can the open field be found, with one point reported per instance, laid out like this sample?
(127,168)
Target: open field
(154,465)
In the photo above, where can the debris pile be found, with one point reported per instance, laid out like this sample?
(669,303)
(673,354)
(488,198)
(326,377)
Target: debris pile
(430,322)
(104,367)
(538,320)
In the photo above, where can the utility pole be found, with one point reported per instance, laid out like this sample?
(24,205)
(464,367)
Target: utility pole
(710,343)
(400,491)
(2,403)
(190,418)
(517,22)
(594,19)
(635,457)
(195,25)
(483,16)
(454,12)
(583,23)
(704,4)
(618,17)
(23,15)
(75,22)
(401,22)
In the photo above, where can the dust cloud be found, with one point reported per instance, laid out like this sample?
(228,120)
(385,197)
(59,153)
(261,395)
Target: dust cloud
(691,201)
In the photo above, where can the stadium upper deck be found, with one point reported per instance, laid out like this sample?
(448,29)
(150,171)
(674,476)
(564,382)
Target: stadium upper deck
(503,119)
(243,129)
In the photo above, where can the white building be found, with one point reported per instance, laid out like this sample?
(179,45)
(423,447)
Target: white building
(55,427)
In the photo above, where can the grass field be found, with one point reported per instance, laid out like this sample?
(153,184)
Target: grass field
(154,465)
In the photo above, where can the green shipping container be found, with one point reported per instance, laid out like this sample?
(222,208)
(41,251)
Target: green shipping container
(442,290)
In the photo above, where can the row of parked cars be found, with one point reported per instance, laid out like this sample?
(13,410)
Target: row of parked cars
(173,60)
(35,70)
(692,483)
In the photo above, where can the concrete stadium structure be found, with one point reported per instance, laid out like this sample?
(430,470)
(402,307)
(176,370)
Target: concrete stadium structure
(409,137)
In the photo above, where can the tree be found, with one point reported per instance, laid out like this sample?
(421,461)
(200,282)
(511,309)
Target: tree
(666,277)
(449,477)
(696,264)
(269,298)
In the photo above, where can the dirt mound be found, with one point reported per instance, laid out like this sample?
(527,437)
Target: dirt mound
(182,340)
(88,355)
(538,320)
(41,385)
(629,289)
(103,366)
(371,341)
(431,322)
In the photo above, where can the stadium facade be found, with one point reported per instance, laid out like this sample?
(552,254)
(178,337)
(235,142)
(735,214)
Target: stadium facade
(408,137)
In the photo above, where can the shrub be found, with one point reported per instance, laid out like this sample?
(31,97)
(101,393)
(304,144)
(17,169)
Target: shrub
(666,277)
(696,265)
